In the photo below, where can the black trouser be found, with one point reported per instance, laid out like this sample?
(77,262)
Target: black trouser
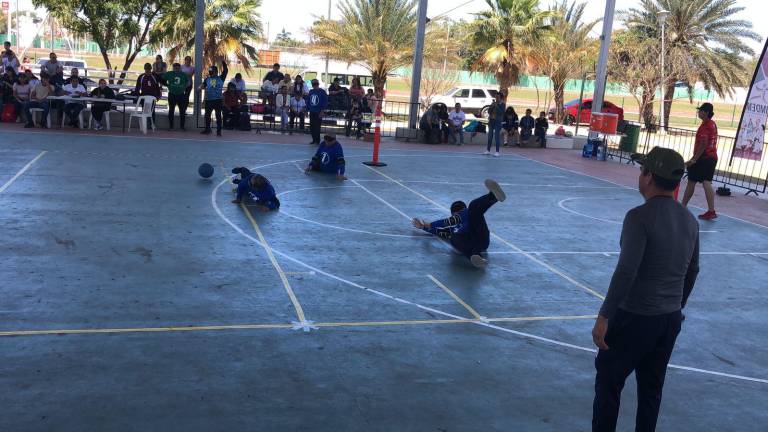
(181,101)
(210,106)
(353,124)
(638,343)
(315,123)
(98,110)
(293,116)
(477,238)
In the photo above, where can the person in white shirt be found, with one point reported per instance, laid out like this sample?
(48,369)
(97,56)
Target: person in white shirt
(238,82)
(298,109)
(457,118)
(283,107)
(31,78)
(72,108)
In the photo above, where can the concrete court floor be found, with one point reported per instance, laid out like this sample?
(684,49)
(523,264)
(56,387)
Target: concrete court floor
(113,246)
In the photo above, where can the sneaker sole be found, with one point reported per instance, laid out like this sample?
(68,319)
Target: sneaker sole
(496,190)
(478,261)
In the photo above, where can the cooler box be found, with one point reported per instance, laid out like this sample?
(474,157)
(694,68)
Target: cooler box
(596,122)
(610,123)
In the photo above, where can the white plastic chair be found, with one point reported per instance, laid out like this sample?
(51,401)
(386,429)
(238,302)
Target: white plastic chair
(107,123)
(143,112)
(34,111)
(80,118)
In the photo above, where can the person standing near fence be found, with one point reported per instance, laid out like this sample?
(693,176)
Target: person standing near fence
(495,123)
(701,167)
(214,87)
(318,101)
(177,82)
(641,315)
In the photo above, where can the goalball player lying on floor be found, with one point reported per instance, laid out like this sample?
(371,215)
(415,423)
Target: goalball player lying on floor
(329,158)
(257,187)
(466,228)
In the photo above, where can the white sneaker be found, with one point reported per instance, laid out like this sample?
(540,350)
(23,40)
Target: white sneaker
(487,152)
(497,154)
(478,261)
(495,189)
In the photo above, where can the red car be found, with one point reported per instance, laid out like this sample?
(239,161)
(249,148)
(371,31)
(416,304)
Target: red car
(572,111)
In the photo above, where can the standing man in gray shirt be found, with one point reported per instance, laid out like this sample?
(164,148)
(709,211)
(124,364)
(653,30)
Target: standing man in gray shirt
(641,315)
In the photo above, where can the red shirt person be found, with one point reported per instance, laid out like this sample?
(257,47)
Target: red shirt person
(701,167)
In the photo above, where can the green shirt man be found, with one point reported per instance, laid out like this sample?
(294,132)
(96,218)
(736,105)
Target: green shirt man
(176,81)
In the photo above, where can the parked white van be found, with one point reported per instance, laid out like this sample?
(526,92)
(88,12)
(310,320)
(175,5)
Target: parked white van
(475,100)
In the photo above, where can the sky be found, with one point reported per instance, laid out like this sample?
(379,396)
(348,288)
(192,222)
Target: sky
(297,23)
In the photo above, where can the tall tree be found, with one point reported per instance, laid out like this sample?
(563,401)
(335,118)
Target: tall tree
(231,27)
(110,23)
(509,34)
(567,50)
(376,34)
(703,36)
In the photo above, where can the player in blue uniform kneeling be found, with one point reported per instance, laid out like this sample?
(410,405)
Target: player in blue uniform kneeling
(257,187)
(329,158)
(466,228)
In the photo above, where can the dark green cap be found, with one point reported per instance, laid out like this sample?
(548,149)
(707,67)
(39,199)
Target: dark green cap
(665,163)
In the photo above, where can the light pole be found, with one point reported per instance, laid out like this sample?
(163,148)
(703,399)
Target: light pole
(662,15)
(326,78)
(418,52)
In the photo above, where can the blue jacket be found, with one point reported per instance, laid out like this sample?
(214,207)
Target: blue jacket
(214,85)
(457,223)
(265,196)
(527,122)
(329,159)
(318,100)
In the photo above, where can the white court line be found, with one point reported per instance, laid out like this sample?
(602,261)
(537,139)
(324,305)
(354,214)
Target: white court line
(629,188)
(562,202)
(497,237)
(22,171)
(480,184)
(382,200)
(439,312)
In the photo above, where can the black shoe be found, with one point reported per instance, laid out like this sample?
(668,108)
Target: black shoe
(29,125)
(218,132)
(183,129)
(170,128)
(206,132)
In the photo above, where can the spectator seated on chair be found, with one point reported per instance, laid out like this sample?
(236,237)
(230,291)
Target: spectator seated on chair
(21,92)
(354,119)
(72,108)
(300,86)
(268,91)
(39,99)
(337,96)
(356,91)
(430,125)
(283,106)
(99,108)
(235,102)
(370,102)
(274,73)
(298,110)
(238,82)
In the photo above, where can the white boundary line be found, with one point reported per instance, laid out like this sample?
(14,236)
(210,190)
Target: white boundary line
(480,184)
(608,253)
(381,199)
(562,202)
(439,312)
(22,171)
(628,187)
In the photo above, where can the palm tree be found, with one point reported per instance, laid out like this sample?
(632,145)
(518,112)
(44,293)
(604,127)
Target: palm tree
(704,38)
(563,54)
(508,34)
(376,34)
(230,28)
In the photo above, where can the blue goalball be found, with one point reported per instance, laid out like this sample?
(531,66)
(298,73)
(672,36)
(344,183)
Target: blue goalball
(205,170)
